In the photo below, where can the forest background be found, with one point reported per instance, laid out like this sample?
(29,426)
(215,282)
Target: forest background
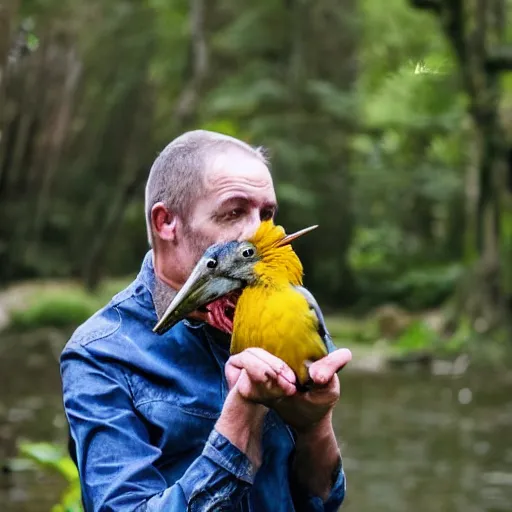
(388,123)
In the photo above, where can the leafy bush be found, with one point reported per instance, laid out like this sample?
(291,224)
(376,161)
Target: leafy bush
(55,309)
(426,287)
(63,307)
(418,336)
(421,336)
(415,289)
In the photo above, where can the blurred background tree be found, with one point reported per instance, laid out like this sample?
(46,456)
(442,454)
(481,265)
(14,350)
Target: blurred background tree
(378,127)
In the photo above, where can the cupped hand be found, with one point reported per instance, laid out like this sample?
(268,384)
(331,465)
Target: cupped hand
(263,378)
(304,411)
(260,377)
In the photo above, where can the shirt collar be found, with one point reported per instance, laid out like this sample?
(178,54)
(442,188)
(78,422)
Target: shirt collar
(145,283)
(147,272)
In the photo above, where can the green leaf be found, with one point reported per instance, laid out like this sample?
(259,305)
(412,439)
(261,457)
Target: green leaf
(50,456)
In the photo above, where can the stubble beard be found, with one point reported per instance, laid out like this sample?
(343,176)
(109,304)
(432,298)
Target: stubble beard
(163,293)
(198,244)
(221,312)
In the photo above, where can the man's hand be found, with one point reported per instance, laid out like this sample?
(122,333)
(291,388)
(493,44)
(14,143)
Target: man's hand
(256,379)
(260,377)
(310,414)
(304,411)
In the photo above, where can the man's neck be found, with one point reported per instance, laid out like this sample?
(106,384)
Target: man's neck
(164,289)
(162,296)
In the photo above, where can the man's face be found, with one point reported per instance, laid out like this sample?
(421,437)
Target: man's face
(239,194)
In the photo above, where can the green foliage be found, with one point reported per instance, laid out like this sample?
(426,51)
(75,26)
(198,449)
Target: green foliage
(416,289)
(460,339)
(66,306)
(427,287)
(418,336)
(360,106)
(506,234)
(56,309)
(421,336)
(52,457)
(390,267)
(408,168)
(348,330)
(376,250)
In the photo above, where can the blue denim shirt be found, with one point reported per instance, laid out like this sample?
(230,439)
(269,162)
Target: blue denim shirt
(142,410)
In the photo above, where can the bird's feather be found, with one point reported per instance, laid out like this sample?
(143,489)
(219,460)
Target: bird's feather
(322,327)
(281,320)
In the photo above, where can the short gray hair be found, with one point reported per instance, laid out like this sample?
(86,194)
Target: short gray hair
(176,176)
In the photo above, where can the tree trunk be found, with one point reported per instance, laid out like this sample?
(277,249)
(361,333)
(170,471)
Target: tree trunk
(128,185)
(472,27)
(57,140)
(8,13)
(187,102)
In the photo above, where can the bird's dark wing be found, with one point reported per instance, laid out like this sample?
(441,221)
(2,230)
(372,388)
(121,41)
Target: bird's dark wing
(322,328)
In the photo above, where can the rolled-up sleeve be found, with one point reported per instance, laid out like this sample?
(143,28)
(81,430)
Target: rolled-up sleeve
(116,460)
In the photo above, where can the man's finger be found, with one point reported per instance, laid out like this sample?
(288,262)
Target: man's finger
(323,370)
(263,368)
(278,365)
(257,369)
(232,374)
(288,387)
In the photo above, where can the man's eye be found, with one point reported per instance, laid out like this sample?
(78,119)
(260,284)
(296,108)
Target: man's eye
(235,213)
(266,214)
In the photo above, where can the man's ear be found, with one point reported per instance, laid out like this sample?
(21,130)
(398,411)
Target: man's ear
(163,222)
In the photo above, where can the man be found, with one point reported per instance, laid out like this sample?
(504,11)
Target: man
(172,422)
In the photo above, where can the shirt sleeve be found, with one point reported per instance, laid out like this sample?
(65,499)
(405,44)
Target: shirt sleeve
(116,460)
(305,502)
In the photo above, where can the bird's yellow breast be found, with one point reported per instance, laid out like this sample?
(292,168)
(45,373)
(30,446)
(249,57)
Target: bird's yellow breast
(276,317)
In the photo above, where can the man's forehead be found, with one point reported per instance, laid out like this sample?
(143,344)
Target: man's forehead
(236,170)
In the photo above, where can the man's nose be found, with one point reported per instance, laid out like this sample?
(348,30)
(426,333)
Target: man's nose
(250,227)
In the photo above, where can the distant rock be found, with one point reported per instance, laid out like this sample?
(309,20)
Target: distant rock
(392,321)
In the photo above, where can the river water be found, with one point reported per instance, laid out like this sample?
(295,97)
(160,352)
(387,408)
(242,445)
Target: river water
(412,441)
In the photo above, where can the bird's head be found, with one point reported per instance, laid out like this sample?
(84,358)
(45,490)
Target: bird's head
(231,266)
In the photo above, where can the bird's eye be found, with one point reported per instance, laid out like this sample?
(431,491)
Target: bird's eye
(211,263)
(247,253)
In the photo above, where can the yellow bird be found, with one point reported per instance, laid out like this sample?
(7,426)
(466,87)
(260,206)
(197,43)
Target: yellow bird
(274,311)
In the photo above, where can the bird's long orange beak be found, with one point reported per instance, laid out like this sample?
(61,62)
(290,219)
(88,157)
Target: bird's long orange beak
(288,239)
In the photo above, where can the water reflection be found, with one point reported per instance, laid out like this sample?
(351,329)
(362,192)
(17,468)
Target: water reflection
(424,443)
(30,409)
(412,441)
